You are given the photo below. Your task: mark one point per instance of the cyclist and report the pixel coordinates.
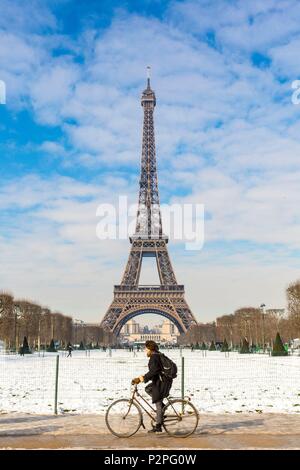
(160, 386)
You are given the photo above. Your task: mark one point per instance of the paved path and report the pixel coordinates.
(229, 431)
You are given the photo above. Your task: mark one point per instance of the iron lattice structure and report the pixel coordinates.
(130, 298)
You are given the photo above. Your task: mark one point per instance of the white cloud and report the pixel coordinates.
(285, 57)
(22, 17)
(245, 26)
(52, 89)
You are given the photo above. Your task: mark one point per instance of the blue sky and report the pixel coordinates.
(226, 131)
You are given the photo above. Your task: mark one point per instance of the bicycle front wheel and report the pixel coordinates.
(123, 418)
(180, 418)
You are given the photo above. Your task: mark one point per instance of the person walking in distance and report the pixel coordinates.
(160, 385)
(70, 349)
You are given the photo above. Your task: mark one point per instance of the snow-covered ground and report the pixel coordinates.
(88, 384)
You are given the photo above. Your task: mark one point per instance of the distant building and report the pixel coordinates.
(167, 332)
(131, 328)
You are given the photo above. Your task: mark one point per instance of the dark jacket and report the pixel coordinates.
(160, 386)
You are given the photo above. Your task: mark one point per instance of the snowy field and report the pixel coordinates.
(88, 384)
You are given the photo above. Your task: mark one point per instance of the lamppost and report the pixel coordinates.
(17, 314)
(262, 307)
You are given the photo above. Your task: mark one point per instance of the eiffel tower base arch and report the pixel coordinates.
(143, 311)
(129, 302)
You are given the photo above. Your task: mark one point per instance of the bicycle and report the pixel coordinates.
(124, 417)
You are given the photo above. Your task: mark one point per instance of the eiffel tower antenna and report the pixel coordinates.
(148, 75)
(131, 298)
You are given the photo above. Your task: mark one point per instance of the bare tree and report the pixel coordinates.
(7, 319)
(293, 299)
(203, 332)
(248, 324)
(45, 327)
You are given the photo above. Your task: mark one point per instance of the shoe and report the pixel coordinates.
(156, 430)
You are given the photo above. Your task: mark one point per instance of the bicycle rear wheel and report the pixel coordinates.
(123, 418)
(180, 418)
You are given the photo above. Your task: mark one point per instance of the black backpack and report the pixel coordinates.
(169, 368)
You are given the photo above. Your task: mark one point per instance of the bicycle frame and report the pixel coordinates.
(135, 400)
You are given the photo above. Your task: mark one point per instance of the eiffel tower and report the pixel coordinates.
(130, 298)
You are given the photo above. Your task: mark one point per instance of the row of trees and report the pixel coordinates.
(257, 325)
(23, 318)
(40, 326)
(91, 335)
(278, 348)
